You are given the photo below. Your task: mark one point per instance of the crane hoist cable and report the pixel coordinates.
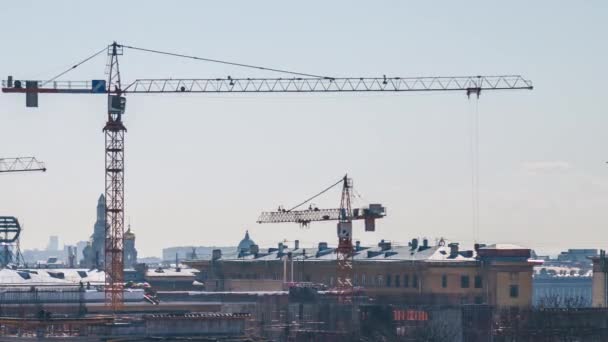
(474, 159)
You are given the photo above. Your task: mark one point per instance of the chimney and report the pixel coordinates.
(280, 248)
(384, 245)
(296, 244)
(216, 254)
(357, 245)
(414, 244)
(453, 249)
(254, 249)
(322, 246)
(425, 243)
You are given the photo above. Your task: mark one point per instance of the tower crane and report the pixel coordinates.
(22, 164)
(345, 216)
(9, 225)
(114, 129)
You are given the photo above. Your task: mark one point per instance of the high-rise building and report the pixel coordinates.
(94, 251)
(53, 243)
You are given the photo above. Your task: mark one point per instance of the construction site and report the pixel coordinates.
(286, 294)
(446, 250)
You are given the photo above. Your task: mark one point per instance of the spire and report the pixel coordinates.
(247, 235)
(101, 200)
(128, 234)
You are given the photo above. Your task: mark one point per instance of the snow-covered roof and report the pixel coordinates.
(385, 253)
(171, 272)
(50, 276)
(503, 246)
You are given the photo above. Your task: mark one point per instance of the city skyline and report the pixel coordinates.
(201, 164)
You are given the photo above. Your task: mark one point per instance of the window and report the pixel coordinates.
(388, 280)
(514, 291)
(363, 279)
(415, 281)
(478, 300)
(356, 279)
(331, 281)
(397, 280)
(444, 280)
(378, 280)
(478, 282)
(464, 281)
(307, 277)
(406, 280)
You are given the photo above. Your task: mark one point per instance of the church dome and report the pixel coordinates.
(245, 244)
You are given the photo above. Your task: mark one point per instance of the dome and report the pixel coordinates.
(245, 244)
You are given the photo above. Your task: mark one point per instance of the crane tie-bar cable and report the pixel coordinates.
(317, 195)
(224, 62)
(76, 65)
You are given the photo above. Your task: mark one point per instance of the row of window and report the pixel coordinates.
(389, 280)
(465, 281)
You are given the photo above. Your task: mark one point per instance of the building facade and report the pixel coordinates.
(441, 274)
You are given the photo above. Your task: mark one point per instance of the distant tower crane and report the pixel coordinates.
(22, 164)
(297, 83)
(10, 230)
(345, 216)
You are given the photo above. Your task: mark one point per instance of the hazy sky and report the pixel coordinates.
(200, 168)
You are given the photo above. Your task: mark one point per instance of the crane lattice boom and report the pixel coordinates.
(470, 84)
(21, 164)
(304, 217)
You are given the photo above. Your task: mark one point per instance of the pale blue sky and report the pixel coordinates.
(200, 168)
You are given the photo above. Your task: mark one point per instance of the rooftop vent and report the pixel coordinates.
(414, 243)
(322, 246)
(453, 249)
(216, 254)
(384, 245)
